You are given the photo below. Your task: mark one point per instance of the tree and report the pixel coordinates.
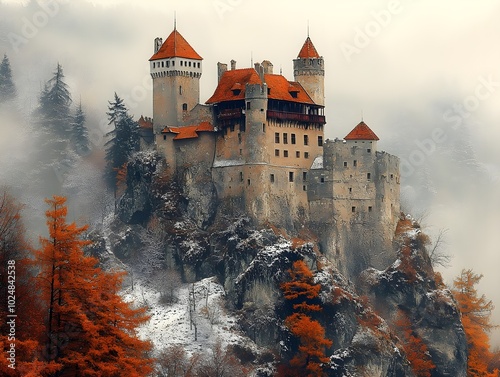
(416, 350)
(124, 138)
(79, 132)
(90, 331)
(476, 312)
(7, 87)
(303, 294)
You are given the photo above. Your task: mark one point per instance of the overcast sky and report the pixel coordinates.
(424, 74)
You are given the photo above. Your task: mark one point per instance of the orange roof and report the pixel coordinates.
(188, 132)
(279, 87)
(176, 46)
(308, 50)
(361, 132)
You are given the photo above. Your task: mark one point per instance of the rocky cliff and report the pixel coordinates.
(358, 312)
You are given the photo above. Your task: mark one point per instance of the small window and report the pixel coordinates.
(350, 190)
(285, 138)
(272, 178)
(181, 63)
(294, 94)
(248, 182)
(239, 138)
(306, 154)
(345, 164)
(355, 163)
(173, 63)
(304, 176)
(268, 91)
(322, 179)
(285, 153)
(198, 64)
(162, 64)
(353, 209)
(292, 136)
(369, 150)
(241, 152)
(164, 137)
(297, 154)
(248, 105)
(263, 127)
(190, 64)
(306, 140)
(184, 107)
(180, 89)
(277, 152)
(276, 137)
(304, 188)
(392, 176)
(368, 176)
(290, 176)
(370, 208)
(168, 64)
(320, 141)
(241, 176)
(154, 64)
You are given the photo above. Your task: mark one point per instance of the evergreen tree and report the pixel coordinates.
(7, 87)
(90, 330)
(79, 132)
(124, 139)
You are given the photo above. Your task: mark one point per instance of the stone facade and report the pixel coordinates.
(258, 143)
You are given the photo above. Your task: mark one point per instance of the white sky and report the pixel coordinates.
(421, 58)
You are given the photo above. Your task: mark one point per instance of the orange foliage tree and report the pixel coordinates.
(416, 350)
(303, 294)
(476, 312)
(90, 331)
(20, 327)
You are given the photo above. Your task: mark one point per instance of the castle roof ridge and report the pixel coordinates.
(308, 50)
(175, 46)
(361, 132)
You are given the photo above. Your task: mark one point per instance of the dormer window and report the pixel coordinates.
(268, 91)
(236, 89)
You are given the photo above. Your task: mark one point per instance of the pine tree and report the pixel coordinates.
(124, 139)
(79, 132)
(303, 294)
(90, 330)
(7, 87)
(476, 312)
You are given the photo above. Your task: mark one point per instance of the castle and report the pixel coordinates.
(259, 142)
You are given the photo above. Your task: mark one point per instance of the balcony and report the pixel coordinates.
(228, 114)
(298, 117)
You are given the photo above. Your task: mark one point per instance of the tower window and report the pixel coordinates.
(162, 64)
(181, 63)
(350, 190)
(180, 89)
(173, 63)
(263, 127)
(198, 65)
(369, 150)
(345, 164)
(190, 64)
(353, 209)
(306, 154)
(355, 163)
(285, 153)
(248, 182)
(272, 178)
(370, 208)
(304, 188)
(239, 138)
(306, 140)
(277, 152)
(368, 176)
(320, 141)
(322, 179)
(168, 64)
(276, 137)
(297, 154)
(285, 138)
(241, 176)
(290, 176)
(293, 138)
(248, 105)
(154, 64)
(184, 107)
(164, 137)
(304, 176)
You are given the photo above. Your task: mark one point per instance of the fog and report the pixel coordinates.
(423, 75)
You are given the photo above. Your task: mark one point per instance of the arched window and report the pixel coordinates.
(184, 107)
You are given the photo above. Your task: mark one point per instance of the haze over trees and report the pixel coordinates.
(7, 87)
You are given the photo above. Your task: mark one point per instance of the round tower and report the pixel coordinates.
(176, 70)
(309, 71)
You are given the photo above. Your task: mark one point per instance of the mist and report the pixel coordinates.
(423, 76)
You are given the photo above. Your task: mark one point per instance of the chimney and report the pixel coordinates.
(158, 43)
(268, 67)
(221, 68)
(233, 65)
(260, 71)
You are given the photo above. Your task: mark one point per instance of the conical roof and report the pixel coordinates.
(175, 46)
(308, 50)
(361, 132)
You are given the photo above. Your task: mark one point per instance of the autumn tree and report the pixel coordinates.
(476, 312)
(301, 292)
(17, 296)
(416, 350)
(90, 331)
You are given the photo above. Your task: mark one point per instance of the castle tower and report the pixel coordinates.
(176, 70)
(308, 70)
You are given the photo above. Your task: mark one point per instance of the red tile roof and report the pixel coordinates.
(308, 50)
(176, 46)
(188, 132)
(279, 87)
(361, 132)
